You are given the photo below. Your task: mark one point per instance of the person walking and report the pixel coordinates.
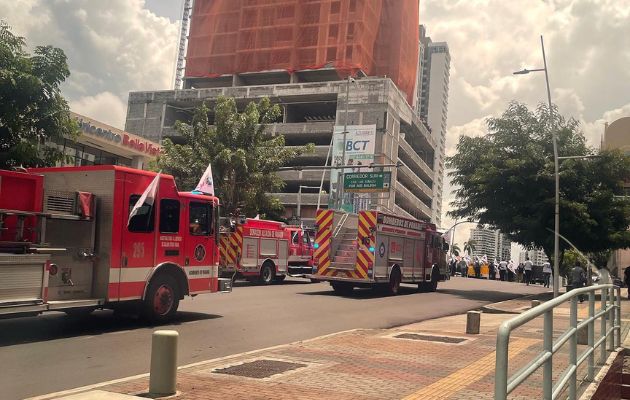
(519, 273)
(527, 268)
(503, 269)
(546, 273)
(626, 279)
(578, 278)
(477, 267)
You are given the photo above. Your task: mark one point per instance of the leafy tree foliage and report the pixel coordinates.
(506, 179)
(244, 157)
(32, 109)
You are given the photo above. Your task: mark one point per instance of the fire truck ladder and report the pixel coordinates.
(345, 246)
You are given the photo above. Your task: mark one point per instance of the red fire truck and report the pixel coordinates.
(67, 243)
(265, 251)
(376, 249)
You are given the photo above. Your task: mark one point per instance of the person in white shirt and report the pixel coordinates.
(546, 273)
(527, 267)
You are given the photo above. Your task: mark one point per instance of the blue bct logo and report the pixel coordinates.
(381, 250)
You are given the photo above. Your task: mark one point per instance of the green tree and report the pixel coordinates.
(244, 158)
(506, 179)
(32, 109)
(455, 249)
(469, 247)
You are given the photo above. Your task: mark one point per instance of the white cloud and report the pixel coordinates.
(113, 47)
(104, 107)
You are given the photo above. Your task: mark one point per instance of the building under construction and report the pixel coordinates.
(299, 53)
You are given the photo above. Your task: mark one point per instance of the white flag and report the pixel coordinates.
(206, 184)
(148, 196)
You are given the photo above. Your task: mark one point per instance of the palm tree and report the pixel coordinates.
(455, 249)
(469, 247)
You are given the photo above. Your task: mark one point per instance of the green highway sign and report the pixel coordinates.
(367, 182)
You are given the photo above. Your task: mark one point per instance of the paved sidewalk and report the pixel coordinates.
(428, 360)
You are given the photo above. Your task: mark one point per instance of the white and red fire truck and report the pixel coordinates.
(376, 249)
(265, 251)
(67, 243)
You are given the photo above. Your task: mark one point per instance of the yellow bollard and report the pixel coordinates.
(163, 377)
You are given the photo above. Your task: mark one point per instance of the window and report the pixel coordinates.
(143, 220)
(169, 216)
(294, 237)
(200, 219)
(306, 238)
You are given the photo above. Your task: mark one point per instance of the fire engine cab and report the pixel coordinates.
(376, 249)
(67, 243)
(265, 251)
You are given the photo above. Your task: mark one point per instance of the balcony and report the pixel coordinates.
(415, 162)
(411, 203)
(411, 180)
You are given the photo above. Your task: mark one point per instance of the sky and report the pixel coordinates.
(118, 46)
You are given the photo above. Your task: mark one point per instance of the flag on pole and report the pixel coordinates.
(206, 184)
(148, 197)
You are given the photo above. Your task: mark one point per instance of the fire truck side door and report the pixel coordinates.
(200, 256)
(419, 260)
(137, 242)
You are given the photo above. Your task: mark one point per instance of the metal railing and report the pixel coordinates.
(610, 311)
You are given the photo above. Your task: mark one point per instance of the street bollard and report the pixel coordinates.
(163, 377)
(535, 303)
(473, 322)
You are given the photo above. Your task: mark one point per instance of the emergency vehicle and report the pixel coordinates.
(378, 250)
(265, 251)
(67, 243)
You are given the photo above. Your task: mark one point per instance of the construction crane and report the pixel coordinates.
(187, 6)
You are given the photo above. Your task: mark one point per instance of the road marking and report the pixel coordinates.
(453, 383)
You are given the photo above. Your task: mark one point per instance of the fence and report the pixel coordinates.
(610, 311)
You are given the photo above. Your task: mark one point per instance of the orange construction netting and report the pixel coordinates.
(379, 37)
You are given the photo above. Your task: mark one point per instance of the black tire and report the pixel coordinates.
(267, 274)
(162, 299)
(393, 288)
(279, 278)
(434, 281)
(342, 288)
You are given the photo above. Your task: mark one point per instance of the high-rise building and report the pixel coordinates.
(491, 243)
(298, 54)
(432, 105)
(536, 256)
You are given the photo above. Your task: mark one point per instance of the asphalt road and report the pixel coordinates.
(52, 352)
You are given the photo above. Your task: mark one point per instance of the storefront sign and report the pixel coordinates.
(137, 144)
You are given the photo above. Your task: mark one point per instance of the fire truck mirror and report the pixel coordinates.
(445, 246)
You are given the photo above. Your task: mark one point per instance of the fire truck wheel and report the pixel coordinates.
(435, 277)
(341, 288)
(267, 273)
(162, 298)
(394, 282)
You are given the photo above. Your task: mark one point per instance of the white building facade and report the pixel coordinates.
(536, 256)
(432, 106)
(491, 243)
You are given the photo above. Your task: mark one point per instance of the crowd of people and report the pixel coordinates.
(504, 270)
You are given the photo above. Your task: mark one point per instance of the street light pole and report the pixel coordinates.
(343, 150)
(554, 135)
(554, 139)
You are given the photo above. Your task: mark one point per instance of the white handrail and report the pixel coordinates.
(610, 310)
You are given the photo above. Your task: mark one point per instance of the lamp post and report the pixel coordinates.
(556, 238)
(343, 150)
